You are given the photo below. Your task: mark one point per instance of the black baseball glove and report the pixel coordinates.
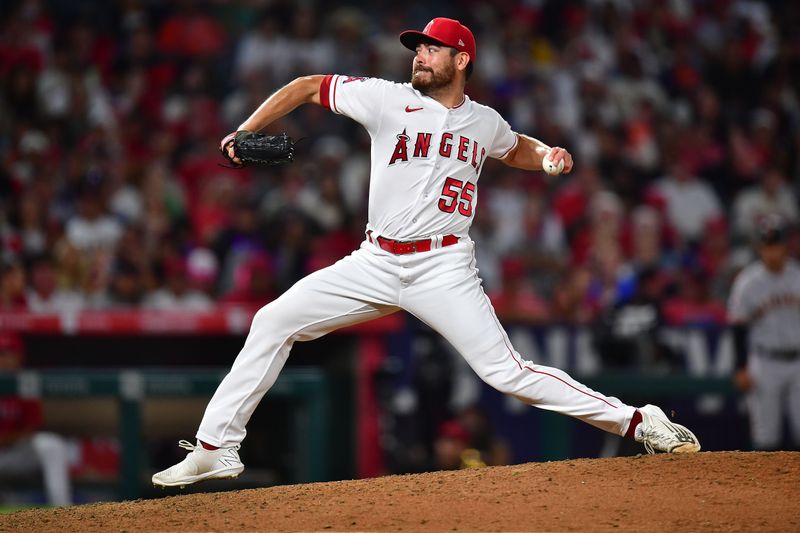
(257, 148)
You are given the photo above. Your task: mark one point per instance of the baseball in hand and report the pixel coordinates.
(552, 168)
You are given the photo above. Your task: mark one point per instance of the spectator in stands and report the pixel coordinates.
(212, 210)
(309, 49)
(716, 258)
(141, 73)
(468, 441)
(328, 248)
(263, 50)
(492, 449)
(753, 146)
(164, 203)
(633, 88)
(25, 449)
(126, 287)
(324, 204)
(347, 166)
(132, 248)
(627, 334)
(31, 161)
(518, 301)
(649, 251)
(53, 91)
(543, 245)
(191, 33)
(570, 301)
(32, 225)
(126, 201)
(44, 294)
(771, 196)
(71, 89)
(506, 205)
(488, 255)
(450, 446)
(19, 92)
(12, 286)
(92, 228)
(641, 144)
(707, 155)
(348, 26)
(96, 280)
(690, 202)
(612, 280)
(177, 293)
(241, 237)
(253, 282)
(203, 269)
(693, 305)
(608, 228)
(390, 63)
(572, 199)
(71, 267)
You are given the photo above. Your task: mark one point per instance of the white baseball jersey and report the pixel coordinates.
(426, 158)
(770, 304)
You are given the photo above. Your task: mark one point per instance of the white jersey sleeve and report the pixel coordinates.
(505, 139)
(359, 98)
(740, 303)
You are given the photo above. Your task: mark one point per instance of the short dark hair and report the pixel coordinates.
(470, 66)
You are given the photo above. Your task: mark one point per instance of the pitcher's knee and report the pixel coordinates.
(520, 383)
(261, 317)
(270, 319)
(506, 384)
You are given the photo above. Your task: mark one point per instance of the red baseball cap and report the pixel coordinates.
(447, 32)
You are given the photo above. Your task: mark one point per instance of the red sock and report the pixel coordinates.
(636, 419)
(210, 447)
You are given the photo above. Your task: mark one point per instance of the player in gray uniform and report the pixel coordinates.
(764, 309)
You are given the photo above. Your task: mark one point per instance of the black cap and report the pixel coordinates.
(772, 229)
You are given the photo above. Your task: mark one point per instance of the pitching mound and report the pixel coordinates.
(707, 491)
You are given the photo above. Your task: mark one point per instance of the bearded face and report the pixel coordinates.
(430, 78)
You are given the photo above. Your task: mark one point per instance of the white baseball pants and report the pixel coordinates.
(440, 287)
(774, 397)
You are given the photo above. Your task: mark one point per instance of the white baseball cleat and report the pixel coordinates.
(657, 433)
(200, 465)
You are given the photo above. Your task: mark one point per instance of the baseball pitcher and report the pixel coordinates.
(764, 309)
(429, 145)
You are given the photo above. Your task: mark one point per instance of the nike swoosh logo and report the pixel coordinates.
(410, 109)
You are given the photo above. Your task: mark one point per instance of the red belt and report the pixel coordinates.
(409, 247)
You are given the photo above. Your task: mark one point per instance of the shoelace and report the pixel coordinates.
(648, 447)
(648, 436)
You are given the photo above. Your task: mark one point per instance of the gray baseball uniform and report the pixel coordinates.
(769, 303)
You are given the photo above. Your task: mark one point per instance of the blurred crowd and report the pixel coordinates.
(683, 118)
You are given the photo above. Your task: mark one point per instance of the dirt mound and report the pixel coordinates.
(707, 491)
